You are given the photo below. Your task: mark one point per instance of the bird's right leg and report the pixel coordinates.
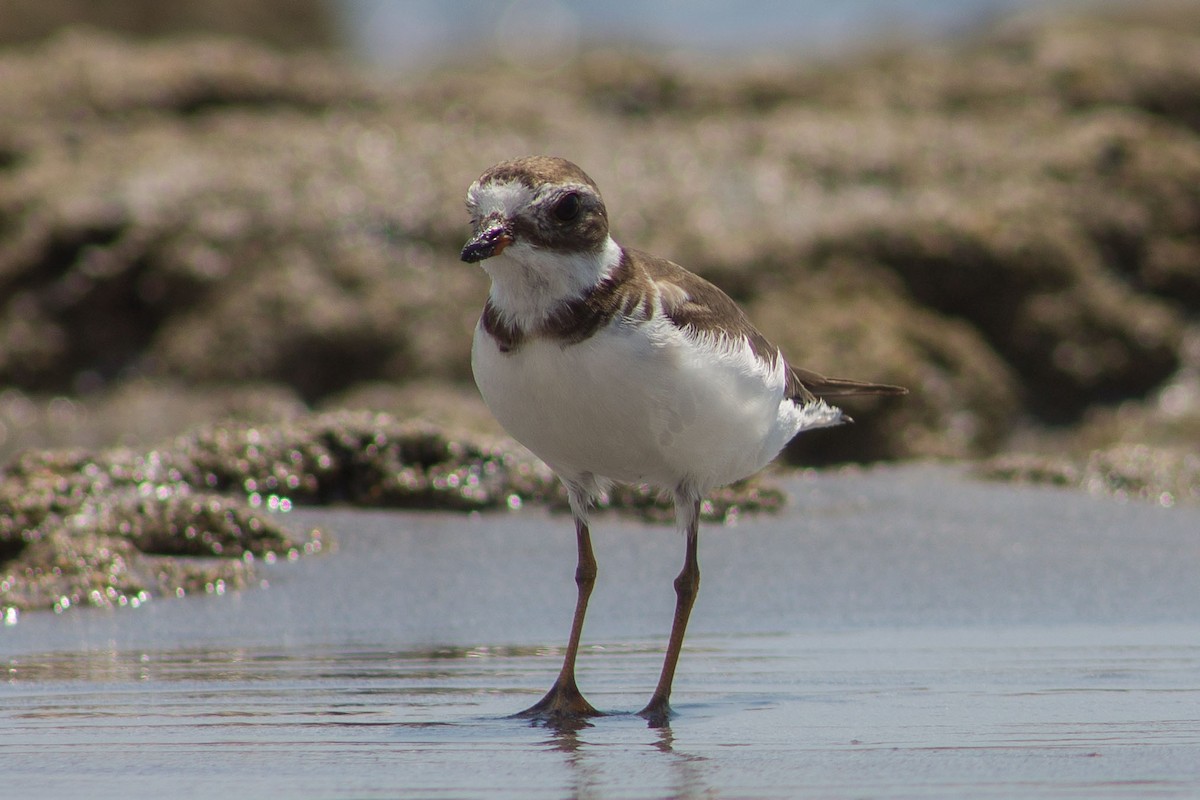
(564, 699)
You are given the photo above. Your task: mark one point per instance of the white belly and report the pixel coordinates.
(642, 404)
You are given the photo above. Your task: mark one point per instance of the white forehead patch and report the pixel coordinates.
(505, 198)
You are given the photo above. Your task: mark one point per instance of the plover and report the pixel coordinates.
(611, 364)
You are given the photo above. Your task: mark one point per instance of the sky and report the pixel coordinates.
(408, 33)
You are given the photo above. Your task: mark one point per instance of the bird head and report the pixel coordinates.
(535, 205)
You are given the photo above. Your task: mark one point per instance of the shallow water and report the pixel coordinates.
(898, 633)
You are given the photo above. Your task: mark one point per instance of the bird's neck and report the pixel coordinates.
(529, 284)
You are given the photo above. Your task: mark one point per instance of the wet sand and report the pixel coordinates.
(896, 633)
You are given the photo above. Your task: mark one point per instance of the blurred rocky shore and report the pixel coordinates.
(223, 246)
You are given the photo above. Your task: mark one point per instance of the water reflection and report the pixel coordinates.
(564, 732)
(588, 755)
(688, 769)
(242, 663)
(585, 776)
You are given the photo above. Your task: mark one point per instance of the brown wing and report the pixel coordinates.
(692, 302)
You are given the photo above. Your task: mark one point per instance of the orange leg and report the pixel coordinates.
(687, 585)
(564, 699)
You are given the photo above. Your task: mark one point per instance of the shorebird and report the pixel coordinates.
(611, 364)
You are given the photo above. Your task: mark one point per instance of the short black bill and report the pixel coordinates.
(487, 243)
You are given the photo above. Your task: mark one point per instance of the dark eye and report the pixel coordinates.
(568, 207)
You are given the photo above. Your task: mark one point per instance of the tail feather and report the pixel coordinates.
(805, 386)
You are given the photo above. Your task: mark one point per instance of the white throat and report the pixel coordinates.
(529, 283)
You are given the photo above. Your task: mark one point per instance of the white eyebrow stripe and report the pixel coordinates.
(498, 197)
(506, 198)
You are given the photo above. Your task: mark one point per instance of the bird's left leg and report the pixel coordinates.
(687, 585)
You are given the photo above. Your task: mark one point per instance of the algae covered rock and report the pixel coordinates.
(1007, 223)
(1162, 475)
(118, 526)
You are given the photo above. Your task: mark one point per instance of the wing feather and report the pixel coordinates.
(693, 303)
